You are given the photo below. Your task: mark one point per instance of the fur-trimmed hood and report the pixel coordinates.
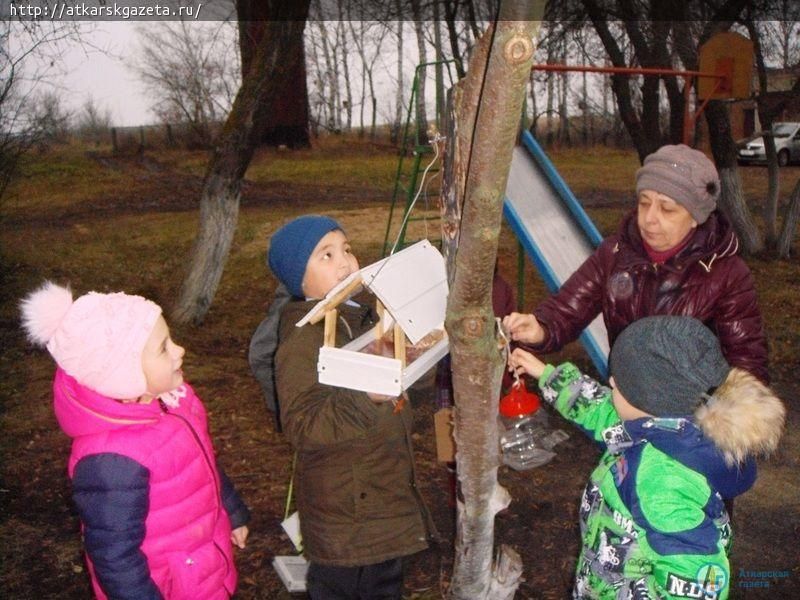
(743, 417)
(742, 420)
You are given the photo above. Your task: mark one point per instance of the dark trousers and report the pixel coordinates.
(382, 581)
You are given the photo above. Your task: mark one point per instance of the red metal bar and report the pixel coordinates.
(689, 119)
(703, 105)
(626, 70)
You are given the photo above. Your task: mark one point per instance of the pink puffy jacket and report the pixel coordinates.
(184, 542)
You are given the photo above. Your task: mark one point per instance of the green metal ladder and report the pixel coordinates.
(407, 180)
(405, 184)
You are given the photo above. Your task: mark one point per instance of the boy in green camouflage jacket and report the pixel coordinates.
(680, 429)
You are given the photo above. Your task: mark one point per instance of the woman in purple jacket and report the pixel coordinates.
(674, 255)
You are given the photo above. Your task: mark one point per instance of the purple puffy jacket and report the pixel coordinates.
(153, 505)
(706, 280)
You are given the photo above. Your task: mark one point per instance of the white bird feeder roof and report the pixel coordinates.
(411, 287)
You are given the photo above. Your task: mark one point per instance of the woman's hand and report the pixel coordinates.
(239, 536)
(520, 361)
(524, 328)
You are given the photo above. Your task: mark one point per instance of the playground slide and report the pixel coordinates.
(553, 228)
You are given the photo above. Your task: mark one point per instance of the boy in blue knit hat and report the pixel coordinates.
(290, 250)
(360, 511)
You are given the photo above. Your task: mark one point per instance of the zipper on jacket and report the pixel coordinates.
(220, 505)
(196, 437)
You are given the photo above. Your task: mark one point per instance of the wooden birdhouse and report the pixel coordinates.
(410, 289)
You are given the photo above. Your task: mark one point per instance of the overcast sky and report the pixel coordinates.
(105, 76)
(101, 70)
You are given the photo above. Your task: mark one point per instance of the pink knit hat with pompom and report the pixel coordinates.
(98, 339)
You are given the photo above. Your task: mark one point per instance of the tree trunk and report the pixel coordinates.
(332, 84)
(723, 147)
(534, 105)
(320, 117)
(564, 136)
(472, 19)
(766, 117)
(675, 96)
(648, 48)
(786, 26)
(454, 162)
(335, 79)
(346, 67)
(770, 212)
(477, 364)
(620, 83)
(551, 77)
(450, 18)
(585, 90)
(374, 98)
(650, 111)
(731, 199)
(790, 220)
(285, 119)
(439, 69)
(359, 41)
(608, 115)
(366, 72)
(422, 115)
(398, 119)
(274, 59)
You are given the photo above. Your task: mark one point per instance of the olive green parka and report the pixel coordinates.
(354, 479)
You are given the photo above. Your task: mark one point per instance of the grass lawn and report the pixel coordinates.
(104, 222)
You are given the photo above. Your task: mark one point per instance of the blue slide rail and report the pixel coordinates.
(561, 187)
(535, 252)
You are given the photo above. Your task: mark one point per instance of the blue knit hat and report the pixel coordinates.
(291, 247)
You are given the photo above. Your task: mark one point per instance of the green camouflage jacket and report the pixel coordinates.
(653, 522)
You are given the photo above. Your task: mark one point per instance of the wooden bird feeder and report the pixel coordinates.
(410, 288)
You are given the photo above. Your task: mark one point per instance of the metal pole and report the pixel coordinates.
(625, 70)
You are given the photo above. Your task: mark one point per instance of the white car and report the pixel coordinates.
(787, 145)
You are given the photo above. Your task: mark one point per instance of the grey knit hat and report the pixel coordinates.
(663, 365)
(685, 175)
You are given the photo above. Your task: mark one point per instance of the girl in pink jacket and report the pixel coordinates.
(159, 516)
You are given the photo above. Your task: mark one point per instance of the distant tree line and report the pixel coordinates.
(354, 64)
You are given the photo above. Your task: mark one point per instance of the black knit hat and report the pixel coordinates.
(663, 365)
